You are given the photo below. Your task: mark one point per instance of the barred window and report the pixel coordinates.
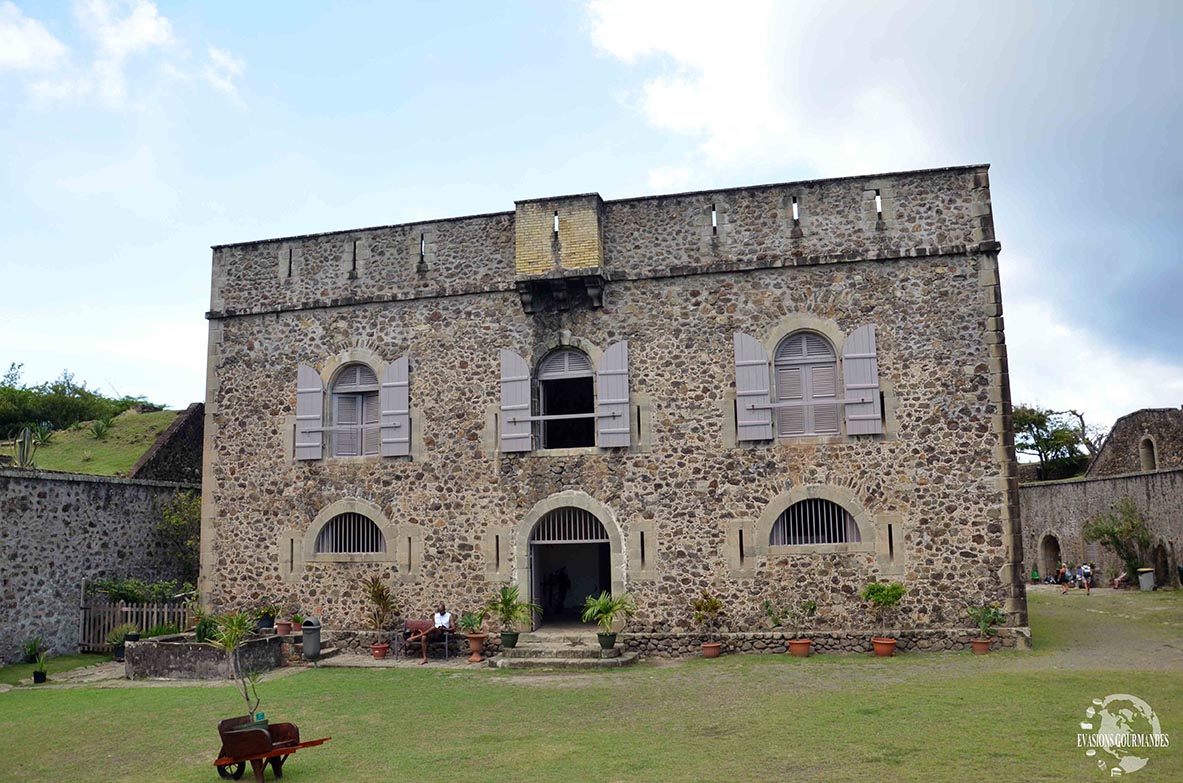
(350, 534)
(814, 521)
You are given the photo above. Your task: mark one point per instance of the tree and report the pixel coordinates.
(1045, 434)
(180, 531)
(1122, 531)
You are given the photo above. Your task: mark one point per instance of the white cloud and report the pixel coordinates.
(221, 70)
(25, 44)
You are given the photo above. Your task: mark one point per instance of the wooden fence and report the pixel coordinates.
(98, 618)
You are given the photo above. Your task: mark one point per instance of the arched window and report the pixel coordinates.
(1147, 455)
(355, 412)
(565, 386)
(814, 521)
(806, 385)
(350, 534)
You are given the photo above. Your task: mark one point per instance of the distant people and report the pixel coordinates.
(1062, 578)
(1086, 572)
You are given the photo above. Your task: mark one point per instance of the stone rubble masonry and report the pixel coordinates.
(937, 492)
(1121, 453)
(59, 529)
(1062, 508)
(175, 455)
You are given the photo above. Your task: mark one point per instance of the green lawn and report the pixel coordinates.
(9, 675)
(78, 451)
(951, 717)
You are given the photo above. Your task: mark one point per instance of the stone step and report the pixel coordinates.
(558, 651)
(325, 652)
(570, 664)
(557, 640)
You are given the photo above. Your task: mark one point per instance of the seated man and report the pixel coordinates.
(423, 630)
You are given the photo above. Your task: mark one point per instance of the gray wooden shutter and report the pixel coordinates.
(515, 402)
(346, 425)
(824, 386)
(860, 372)
(612, 402)
(790, 388)
(370, 421)
(396, 409)
(310, 394)
(751, 388)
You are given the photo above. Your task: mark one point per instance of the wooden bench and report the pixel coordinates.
(258, 745)
(415, 626)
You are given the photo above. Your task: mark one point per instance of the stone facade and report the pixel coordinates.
(1140, 442)
(175, 455)
(686, 507)
(59, 529)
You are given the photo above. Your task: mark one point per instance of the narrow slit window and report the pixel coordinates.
(796, 211)
(741, 556)
(353, 258)
(291, 554)
(891, 543)
(422, 247)
(497, 553)
(878, 204)
(289, 262)
(556, 226)
(642, 549)
(714, 220)
(408, 553)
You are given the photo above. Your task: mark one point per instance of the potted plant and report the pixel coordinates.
(604, 611)
(266, 614)
(118, 636)
(883, 598)
(513, 612)
(381, 607)
(39, 672)
(799, 617)
(284, 627)
(470, 624)
(32, 648)
(233, 631)
(707, 609)
(986, 616)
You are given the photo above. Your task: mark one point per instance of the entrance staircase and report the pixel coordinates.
(570, 650)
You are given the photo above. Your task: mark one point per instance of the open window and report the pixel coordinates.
(566, 400)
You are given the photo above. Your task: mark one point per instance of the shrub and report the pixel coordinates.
(32, 648)
(207, 628)
(99, 430)
(162, 629)
(1122, 531)
(119, 633)
(137, 591)
(986, 617)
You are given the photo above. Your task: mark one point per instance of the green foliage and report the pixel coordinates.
(40, 663)
(508, 607)
(1122, 531)
(207, 627)
(382, 605)
(180, 531)
(32, 648)
(24, 448)
(137, 591)
(605, 608)
(986, 617)
(884, 597)
(60, 404)
(267, 608)
(471, 622)
(1053, 438)
(120, 632)
(162, 629)
(708, 611)
(297, 619)
(99, 429)
(42, 433)
(799, 617)
(234, 630)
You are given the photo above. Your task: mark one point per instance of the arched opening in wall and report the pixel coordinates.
(1162, 565)
(814, 521)
(565, 388)
(1147, 456)
(1049, 556)
(350, 534)
(570, 558)
(354, 411)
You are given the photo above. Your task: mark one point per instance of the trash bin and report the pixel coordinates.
(1146, 578)
(311, 629)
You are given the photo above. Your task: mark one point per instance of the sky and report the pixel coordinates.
(135, 135)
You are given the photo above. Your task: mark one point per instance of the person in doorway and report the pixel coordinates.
(1086, 572)
(423, 631)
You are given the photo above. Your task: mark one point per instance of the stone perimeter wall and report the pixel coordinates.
(58, 529)
(943, 476)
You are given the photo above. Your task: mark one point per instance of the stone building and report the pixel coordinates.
(1141, 459)
(776, 392)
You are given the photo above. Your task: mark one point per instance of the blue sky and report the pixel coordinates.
(135, 135)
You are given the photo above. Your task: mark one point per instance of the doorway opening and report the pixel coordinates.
(570, 559)
(1049, 556)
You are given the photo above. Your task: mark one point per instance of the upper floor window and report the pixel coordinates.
(814, 521)
(1147, 456)
(806, 383)
(350, 534)
(567, 402)
(355, 412)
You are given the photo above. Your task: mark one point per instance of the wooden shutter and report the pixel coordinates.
(824, 385)
(612, 401)
(515, 401)
(370, 420)
(751, 388)
(790, 388)
(396, 409)
(860, 370)
(346, 425)
(310, 394)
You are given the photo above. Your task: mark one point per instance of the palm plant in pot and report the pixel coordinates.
(234, 630)
(986, 617)
(513, 613)
(470, 624)
(39, 671)
(883, 597)
(707, 610)
(381, 608)
(799, 617)
(118, 635)
(605, 610)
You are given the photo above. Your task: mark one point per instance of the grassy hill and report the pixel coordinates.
(76, 450)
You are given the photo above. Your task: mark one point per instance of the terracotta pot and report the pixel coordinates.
(884, 647)
(712, 649)
(476, 644)
(800, 647)
(379, 650)
(981, 646)
(283, 627)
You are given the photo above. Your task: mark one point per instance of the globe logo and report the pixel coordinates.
(1120, 732)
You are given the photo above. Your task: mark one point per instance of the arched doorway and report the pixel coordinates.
(1049, 556)
(570, 559)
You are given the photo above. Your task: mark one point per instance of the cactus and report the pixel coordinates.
(23, 449)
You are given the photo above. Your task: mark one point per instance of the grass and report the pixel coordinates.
(78, 451)
(835, 718)
(10, 675)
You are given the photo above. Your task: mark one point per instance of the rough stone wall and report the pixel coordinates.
(1120, 454)
(925, 274)
(176, 453)
(57, 529)
(1062, 508)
